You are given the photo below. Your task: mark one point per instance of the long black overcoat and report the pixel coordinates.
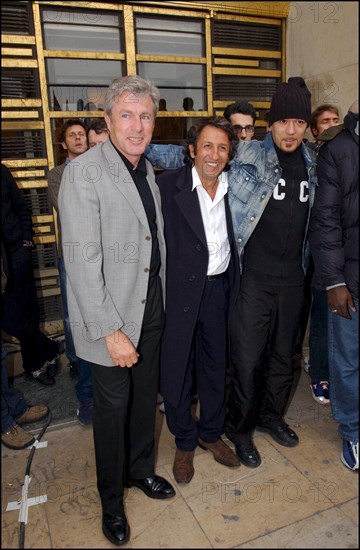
(187, 263)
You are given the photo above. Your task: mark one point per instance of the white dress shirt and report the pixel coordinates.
(214, 221)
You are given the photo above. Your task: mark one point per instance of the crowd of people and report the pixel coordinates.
(171, 282)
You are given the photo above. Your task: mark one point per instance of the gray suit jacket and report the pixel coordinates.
(106, 249)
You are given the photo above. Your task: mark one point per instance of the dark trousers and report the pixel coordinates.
(263, 334)
(209, 359)
(20, 317)
(318, 337)
(124, 410)
(305, 313)
(84, 385)
(69, 341)
(12, 402)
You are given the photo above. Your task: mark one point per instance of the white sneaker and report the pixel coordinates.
(162, 407)
(350, 454)
(320, 391)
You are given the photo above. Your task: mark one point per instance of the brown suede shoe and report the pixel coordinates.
(183, 466)
(33, 414)
(222, 453)
(17, 438)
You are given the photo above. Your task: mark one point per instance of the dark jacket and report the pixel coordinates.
(334, 225)
(16, 227)
(187, 263)
(16, 223)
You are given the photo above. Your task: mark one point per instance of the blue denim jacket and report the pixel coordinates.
(253, 174)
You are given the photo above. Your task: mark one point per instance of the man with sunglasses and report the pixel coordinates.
(242, 117)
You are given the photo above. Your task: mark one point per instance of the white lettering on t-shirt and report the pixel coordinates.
(304, 188)
(303, 193)
(279, 196)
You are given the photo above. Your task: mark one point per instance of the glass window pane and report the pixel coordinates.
(76, 98)
(72, 80)
(82, 71)
(91, 17)
(78, 38)
(177, 81)
(170, 24)
(175, 98)
(180, 75)
(173, 36)
(82, 31)
(167, 43)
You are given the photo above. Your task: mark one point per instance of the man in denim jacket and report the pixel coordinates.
(271, 191)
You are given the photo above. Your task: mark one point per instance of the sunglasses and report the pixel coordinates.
(248, 129)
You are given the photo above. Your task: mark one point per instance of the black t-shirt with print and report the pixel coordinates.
(275, 247)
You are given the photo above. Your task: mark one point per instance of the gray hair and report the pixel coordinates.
(133, 84)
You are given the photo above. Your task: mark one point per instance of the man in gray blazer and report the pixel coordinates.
(114, 253)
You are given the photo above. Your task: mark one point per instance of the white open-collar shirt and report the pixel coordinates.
(214, 221)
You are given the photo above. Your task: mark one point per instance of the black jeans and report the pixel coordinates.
(263, 334)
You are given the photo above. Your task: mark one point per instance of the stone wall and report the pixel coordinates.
(322, 47)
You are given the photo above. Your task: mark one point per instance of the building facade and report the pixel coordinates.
(58, 58)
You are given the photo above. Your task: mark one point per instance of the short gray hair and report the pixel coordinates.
(133, 84)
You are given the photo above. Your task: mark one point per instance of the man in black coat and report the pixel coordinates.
(202, 283)
(20, 315)
(334, 241)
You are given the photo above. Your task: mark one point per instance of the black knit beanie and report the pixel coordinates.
(291, 100)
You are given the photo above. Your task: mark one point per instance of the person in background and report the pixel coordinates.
(114, 253)
(188, 105)
(19, 301)
(242, 116)
(323, 117)
(202, 282)
(334, 241)
(73, 139)
(15, 412)
(97, 132)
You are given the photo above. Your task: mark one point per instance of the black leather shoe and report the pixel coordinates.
(115, 528)
(52, 367)
(40, 376)
(248, 455)
(153, 487)
(282, 434)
